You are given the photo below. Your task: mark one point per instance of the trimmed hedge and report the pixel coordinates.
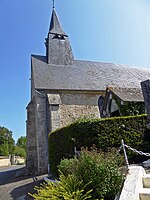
(103, 133)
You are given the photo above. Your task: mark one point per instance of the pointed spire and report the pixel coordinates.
(58, 49)
(55, 26)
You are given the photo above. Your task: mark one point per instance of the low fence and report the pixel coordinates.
(132, 149)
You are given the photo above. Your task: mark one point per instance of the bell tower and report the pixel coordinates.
(58, 48)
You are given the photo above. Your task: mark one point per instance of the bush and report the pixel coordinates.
(69, 188)
(103, 133)
(68, 166)
(100, 168)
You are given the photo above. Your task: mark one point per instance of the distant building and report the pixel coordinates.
(64, 89)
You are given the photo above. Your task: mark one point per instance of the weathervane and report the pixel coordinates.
(53, 4)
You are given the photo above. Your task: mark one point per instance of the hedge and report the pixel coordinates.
(103, 133)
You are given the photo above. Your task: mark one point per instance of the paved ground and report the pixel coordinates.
(14, 187)
(7, 172)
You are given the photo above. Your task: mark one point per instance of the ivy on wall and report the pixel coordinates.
(130, 108)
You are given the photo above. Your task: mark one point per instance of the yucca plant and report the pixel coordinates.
(68, 188)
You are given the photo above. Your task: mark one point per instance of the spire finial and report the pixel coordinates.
(53, 4)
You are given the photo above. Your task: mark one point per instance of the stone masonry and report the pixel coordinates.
(67, 107)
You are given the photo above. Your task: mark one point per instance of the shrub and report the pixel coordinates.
(100, 168)
(103, 133)
(68, 166)
(69, 188)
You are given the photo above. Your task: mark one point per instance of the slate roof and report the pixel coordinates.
(85, 75)
(128, 94)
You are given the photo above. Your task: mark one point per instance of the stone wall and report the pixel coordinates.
(46, 113)
(4, 161)
(7, 160)
(76, 106)
(68, 107)
(41, 132)
(31, 138)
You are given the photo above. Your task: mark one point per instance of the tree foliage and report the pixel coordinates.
(7, 142)
(20, 152)
(21, 142)
(20, 148)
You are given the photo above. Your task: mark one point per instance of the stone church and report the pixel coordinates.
(64, 89)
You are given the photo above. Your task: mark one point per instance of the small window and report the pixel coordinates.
(55, 107)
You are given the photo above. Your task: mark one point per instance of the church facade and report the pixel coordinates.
(64, 89)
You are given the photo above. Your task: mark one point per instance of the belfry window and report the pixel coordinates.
(59, 36)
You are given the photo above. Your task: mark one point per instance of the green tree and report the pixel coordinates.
(21, 142)
(7, 142)
(20, 152)
(20, 148)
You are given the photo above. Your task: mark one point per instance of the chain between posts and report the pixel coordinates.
(132, 149)
(136, 151)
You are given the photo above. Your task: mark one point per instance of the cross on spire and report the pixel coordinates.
(53, 4)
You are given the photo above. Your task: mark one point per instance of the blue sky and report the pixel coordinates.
(115, 31)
